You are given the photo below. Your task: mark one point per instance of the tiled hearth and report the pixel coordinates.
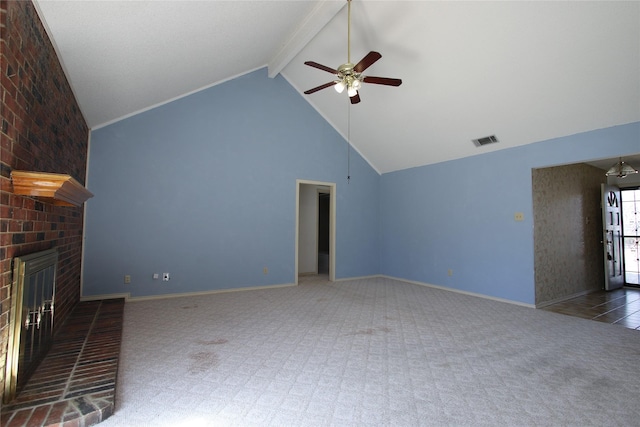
(75, 383)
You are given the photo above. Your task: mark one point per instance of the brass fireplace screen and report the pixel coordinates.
(31, 318)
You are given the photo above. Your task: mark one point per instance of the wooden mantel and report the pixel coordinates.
(59, 189)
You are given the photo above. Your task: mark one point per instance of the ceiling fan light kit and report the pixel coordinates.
(621, 170)
(350, 76)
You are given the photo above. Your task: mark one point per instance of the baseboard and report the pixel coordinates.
(129, 298)
(346, 279)
(565, 298)
(126, 296)
(459, 291)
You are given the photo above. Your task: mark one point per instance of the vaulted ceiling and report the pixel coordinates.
(524, 71)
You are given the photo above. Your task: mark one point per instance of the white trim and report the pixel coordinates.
(373, 276)
(213, 291)
(296, 233)
(473, 294)
(565, 298)
(84, 214)
(332, 225)
(315, 249)
(184, 95)
(127, 296)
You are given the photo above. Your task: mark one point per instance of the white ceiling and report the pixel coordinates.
(523, 70)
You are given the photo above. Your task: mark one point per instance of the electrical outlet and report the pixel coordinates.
(518, 216)
(156, 276)
(165, 277)
(127, 279)
(265, 270)
(450, 272)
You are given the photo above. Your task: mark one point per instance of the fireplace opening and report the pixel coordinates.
(32, 317)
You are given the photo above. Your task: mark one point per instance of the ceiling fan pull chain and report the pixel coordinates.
(348, 141)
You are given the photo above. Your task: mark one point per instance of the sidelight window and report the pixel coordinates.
(631, 234)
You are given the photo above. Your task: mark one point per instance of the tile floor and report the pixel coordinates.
(621, 307)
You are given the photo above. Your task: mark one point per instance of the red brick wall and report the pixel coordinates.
(43, 130)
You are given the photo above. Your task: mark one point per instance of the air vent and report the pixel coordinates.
(484, 141)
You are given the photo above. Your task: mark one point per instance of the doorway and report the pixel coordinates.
(315, 230)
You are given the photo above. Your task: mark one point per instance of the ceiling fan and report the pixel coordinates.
(350, 76)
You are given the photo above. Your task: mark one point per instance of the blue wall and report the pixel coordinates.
(204, 188)
(459, 215)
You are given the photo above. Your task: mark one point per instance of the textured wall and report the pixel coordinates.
(567, 231)
(42, 130)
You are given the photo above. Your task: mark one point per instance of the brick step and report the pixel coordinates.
(75, 384)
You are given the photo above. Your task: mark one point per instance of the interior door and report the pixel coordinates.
(324, 225)
(612, 238)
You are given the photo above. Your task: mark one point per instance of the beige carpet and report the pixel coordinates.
(369, 353)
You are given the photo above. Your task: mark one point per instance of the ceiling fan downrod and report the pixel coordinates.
(348, 75)
(349, 31)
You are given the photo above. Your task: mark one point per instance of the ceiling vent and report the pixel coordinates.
(484, 141)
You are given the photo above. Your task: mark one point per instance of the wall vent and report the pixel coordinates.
(484, 141)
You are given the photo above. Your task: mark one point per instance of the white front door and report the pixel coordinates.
(612, 238)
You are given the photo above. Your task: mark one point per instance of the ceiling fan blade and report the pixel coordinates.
(355, 98)
(321, 67)
(315, 89)
(382, 81)
(367, 61)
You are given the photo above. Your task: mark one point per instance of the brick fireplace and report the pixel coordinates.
(75, 384)
(41, 129)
